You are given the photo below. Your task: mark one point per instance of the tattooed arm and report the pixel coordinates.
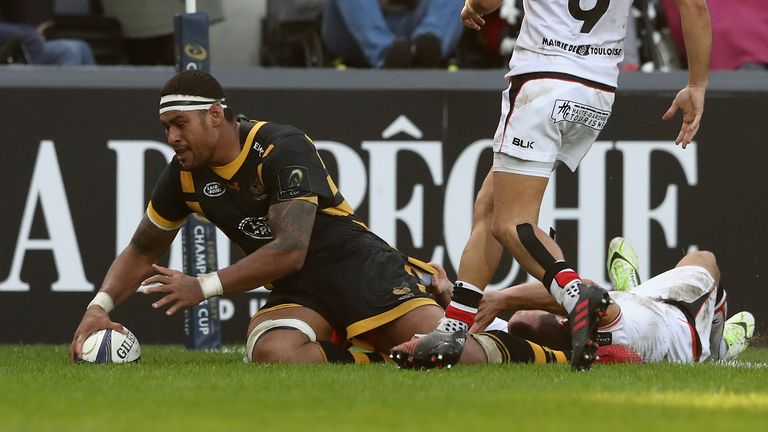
(291, 223)
(134, 264)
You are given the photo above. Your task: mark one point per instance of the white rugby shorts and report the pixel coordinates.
(659, 331)
(545, 120)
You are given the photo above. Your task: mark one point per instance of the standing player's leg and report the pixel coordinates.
(482, 253)
(479, 261)
(517, 200)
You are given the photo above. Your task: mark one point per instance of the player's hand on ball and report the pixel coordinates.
(95, 319)
(179, 290)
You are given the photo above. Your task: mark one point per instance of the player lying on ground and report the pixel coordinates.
(677, 316)
(265, 186)
(645, 324)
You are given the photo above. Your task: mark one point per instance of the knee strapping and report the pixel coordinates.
(268, 325)
(533, 245)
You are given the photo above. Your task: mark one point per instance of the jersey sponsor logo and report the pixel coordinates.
(214, 189)
(258, 148)
(582, 50)
(523, 144)
(294, 183)
(256, 228)
(575, 112)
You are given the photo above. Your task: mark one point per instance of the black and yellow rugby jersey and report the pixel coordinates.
(277, 163)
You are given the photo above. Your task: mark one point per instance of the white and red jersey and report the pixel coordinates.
(652, 322)
(584, 38)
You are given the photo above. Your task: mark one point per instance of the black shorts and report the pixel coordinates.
(356, 287)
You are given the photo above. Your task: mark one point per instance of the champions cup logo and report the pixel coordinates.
(293, 182)
(195, 51)
(295, 178)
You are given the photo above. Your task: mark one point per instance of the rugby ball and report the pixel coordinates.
(109, 346)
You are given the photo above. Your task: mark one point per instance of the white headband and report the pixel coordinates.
(177, 102)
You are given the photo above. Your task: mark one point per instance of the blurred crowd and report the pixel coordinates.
(354, 33)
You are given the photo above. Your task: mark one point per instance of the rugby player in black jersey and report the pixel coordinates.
(265, 186)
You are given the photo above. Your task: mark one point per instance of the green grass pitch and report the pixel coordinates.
(175, 390)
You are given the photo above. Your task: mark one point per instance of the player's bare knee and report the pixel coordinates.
(279, 346)
(504, 230)
(268, 349)
(705, 259)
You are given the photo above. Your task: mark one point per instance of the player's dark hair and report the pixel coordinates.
(195, 82)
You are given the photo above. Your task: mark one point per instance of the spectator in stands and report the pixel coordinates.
(40, 51)
(148, 26)
(739, 33)
(392, 33)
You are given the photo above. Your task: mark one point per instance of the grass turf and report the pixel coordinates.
(175, 390)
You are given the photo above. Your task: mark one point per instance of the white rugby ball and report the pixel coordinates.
(109, 346)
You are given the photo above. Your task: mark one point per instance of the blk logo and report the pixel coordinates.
(522, 143)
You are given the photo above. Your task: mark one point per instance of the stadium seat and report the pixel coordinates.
(291, 34)
(103, 34)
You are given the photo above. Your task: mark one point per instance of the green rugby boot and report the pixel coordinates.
(738, 331)
(622, 265)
